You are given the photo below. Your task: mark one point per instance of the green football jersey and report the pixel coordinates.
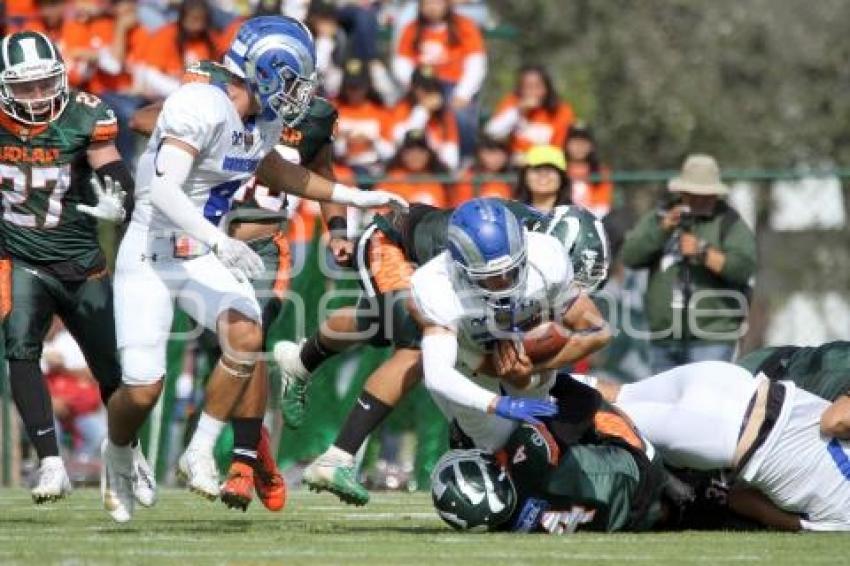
(300, 144)
(589, 486)
(823, 370)
(427, 231)
(44, 175)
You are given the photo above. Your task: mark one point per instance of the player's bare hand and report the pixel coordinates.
(511, 363)
(110, 200)
(342, 250)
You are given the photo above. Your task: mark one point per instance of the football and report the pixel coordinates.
(544, 341)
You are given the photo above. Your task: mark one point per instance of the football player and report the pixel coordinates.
(259, 218)
(589, 469)
(52, 140)
(208, 141)
(385, 256)
(786, 447)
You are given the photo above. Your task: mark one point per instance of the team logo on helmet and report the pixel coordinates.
(276, 57)
(33, 81)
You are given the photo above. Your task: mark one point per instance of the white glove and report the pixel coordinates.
(110, 200)
(367, 199)
(239, 258)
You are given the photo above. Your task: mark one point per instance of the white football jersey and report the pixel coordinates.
(548, 287)
(229, 151)
(802, 470)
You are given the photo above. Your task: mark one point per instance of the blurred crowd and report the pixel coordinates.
(406, 76)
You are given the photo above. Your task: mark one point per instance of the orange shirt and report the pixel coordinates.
(20, 8)
(228, 34)
(597, 197)
(83, 36)
(425, 193)
(435, 49)
(137, 44)
(361, 127)
(466, 189)
(163, 54)
(537, 126)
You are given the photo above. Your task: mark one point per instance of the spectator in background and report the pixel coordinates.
(491, 158)
(596, 195)
(16, 14)
(330, 45)
(425, 108)
(47, 18)
(453, 46)
(415, 157)
(543, 182)
(174, 47)
(531, 115)
(117, 60)
(363, 135)
(701, 257)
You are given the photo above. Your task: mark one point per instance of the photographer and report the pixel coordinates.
(701, 258)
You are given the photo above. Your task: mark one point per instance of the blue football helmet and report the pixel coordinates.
(488, 247)
(276, 57)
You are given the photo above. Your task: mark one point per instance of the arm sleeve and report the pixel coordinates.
(739, 246)
(474, 70)
(171, 169)
(439, 354)
(644, 243)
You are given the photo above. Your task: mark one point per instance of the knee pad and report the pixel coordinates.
(142, 365)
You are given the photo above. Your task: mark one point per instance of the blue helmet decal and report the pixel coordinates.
(276, 57)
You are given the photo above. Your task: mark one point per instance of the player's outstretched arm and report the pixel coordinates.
(172, 165)
(282, 176)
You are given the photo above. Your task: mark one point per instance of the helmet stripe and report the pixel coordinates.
(6, 60)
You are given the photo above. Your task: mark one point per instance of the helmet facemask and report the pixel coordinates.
(292, 102)
(34, 94)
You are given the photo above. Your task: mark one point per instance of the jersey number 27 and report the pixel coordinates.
(54, 181)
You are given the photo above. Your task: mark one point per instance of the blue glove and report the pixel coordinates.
(526, 410)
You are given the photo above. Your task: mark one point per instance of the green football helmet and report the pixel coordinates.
(585, 241)
(33, 80)
(471, 490)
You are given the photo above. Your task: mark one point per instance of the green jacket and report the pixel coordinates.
(648, 246)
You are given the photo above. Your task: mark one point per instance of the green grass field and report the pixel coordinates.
(316, 530)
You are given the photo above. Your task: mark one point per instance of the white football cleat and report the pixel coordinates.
(52, 483)
(288, 356)
(144, 481)
(197, 468)
(116, 481)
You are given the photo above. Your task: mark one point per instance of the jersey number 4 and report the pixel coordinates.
(37, 183)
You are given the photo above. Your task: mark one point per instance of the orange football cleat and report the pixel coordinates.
(238, 489)
(268, 481)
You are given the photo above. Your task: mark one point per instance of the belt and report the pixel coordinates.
(759, 419)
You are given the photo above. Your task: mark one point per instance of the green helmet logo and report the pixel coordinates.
(585, 241)
(33, 81)
(471, 490)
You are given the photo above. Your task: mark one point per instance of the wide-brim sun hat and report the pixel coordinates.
(700, 175)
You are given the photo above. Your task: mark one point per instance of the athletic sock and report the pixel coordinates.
(29, 390)
(246, 438)
(313, 354)
(368, 412)
(206, 434)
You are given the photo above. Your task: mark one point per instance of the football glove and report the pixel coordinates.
(523, 409)
(343, 194)
(239, 258)
(110, 200)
